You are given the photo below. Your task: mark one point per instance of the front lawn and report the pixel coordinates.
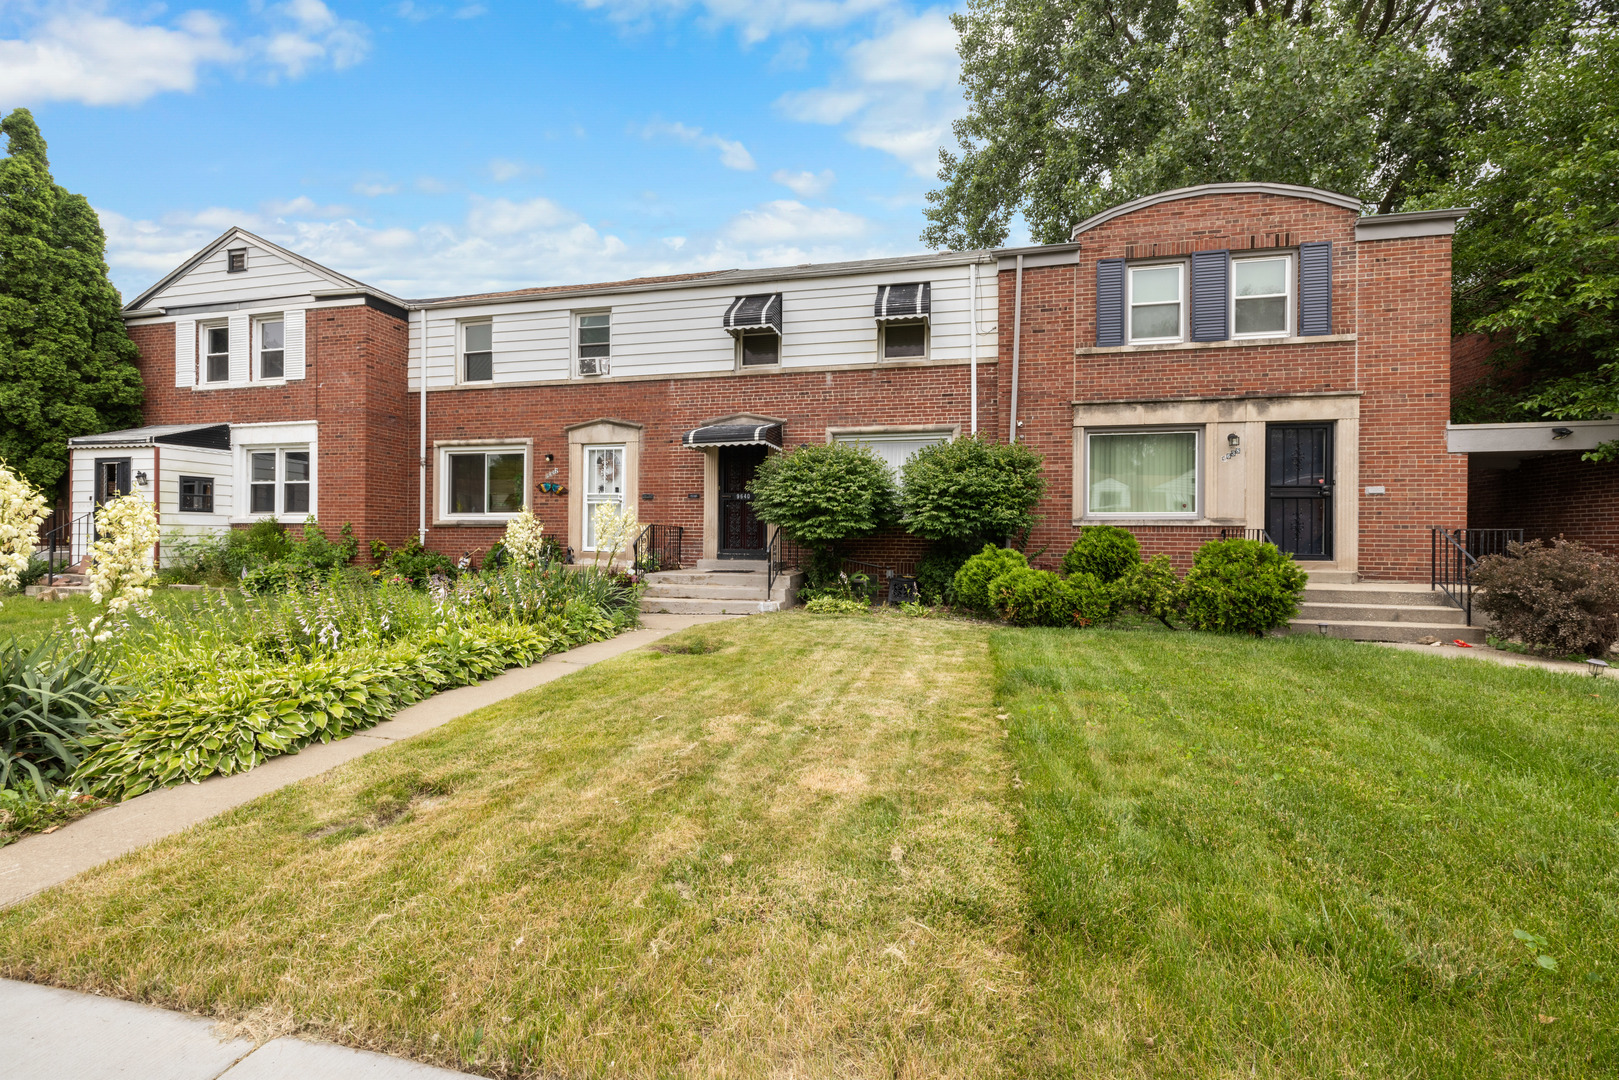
(30, 620)
(803, 846)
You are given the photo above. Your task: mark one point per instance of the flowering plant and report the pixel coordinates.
(121, 557)
(523, 539)
(615, 530)
(21, 511)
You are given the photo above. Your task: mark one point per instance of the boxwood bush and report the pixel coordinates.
(971, 491)
(1106, 551)
(973, 579)
(1242, 586)
(1560, 599)
(1024, 596)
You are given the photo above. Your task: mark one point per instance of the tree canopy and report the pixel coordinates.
(1079, 105)
(67, 367)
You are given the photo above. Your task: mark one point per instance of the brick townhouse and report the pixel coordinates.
(1217, 358)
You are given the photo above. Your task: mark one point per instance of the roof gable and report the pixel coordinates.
(271, 272)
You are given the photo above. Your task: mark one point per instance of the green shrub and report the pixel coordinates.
(1027, 597)
(51, 706)
(936, 573)
(266, 541)
(410, 562)
(1560, 599)
(1242, 586)
(1153, 589)
(837, 605)
(973, 579)
(1106, 551)
(971, 491)
(820, 494)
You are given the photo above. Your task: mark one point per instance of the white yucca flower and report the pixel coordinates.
(121, 557)
(21, 511)
(523, 535)
(615, 530)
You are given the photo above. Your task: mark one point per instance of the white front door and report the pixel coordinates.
(604, 483)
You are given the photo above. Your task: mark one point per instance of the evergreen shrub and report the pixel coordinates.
(1242, 586)
(1106, 551)
(973, 579)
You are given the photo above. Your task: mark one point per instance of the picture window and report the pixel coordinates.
(1142, 473)
(486, 482)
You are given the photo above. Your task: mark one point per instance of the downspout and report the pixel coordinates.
(1017, 344)
(421, 476)
(972, 339)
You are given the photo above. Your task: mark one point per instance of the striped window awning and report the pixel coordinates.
(762, 312)
(912, 301)
(734, 435)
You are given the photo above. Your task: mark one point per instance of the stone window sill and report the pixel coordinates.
(1229, 343)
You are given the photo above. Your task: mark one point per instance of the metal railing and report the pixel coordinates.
(1453, 553)
(657, 548)
(65, 540)
(1234, 533)
(781, 556)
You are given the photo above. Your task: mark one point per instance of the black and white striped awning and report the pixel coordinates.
(734, 435)
(912, 301)
(762, 312)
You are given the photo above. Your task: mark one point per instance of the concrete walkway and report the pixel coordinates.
(37, 862)
(1502, 656)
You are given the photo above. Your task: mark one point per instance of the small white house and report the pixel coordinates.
(188, 470)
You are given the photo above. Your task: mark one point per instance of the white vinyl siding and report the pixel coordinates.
(177, 461)
(268, 276)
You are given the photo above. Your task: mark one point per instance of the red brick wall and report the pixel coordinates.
(1553, 495)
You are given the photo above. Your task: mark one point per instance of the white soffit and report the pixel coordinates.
(1538, 437)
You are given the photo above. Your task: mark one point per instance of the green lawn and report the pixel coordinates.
(28, 620)
(857, 847)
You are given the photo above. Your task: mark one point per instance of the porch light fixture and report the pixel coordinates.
(1597, 667)
(1233, 440)
(1561, 433)
(140, 478)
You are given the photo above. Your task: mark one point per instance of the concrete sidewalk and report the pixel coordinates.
(71, 1036)
(1502, 656)
(37, 862)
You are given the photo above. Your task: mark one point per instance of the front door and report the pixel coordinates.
(1298, 483)
(742, 535)
(112, 479)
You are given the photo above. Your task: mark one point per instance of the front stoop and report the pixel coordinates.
(718, 587)
(1381, 611)
(66, 585)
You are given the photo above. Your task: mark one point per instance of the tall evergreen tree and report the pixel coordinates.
(67, 367)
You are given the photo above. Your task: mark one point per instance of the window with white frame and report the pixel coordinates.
(1156, 299)
(477, 351)
(895, 448)
(593, 333)
(278, 481)
(905, 340)
(1142, 473)
(1261, 296)
(485, 482)
(270, 346)
(760, 348)
(215, 352)
(604, 485)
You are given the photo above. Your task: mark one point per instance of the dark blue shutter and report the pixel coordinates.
(1211, 294)
(1315, 288)
(1110, 302)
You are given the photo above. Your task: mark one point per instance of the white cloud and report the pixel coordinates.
(897, 92)
(100, 60)
(311, 34)
(503, 170)
(431, 185)
(374, 188)
(804, 183)
(304, 206)
(733, 155)
(470, 11)
(755, 20)
(411, 11)
(783, 221)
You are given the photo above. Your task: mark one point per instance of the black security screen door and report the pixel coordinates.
(112, 479)
(1298, 482)
(741, 533)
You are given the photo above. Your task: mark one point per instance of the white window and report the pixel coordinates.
(760, 348)
(1156, 303)
(895, 448)
(905, 340)
(270, 346)
(1142, 473)
(477, 351)
(279, 481)
(1261, 292)
(484, 482)
(594, 341)
(604, 485)
(215, 352)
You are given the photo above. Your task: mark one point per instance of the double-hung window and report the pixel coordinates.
(216, 353)
(477, 351)
(905, 340)
(278, 481)
(1261, 296)
(760, 348)
(271, 344)
(196, 494)
(604, 485)
(1142, 473)
(1156, 302)
(485, 482)
(594, 332)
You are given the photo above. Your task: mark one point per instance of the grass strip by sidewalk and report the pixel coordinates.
(1308, 858)
(783, 851)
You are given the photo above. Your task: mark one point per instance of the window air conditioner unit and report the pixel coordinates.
(593, 365)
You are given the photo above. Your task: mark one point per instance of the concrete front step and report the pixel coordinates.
(686, 590)
(651, 605)
(1391, 631)
(1381, 593)
(1379, 613)
(56, 592)
(1331, 577)
(734, 565)
(743, 579)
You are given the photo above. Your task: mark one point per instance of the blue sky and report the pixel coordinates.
(442, 146)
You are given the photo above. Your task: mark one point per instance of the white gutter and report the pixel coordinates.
(972, 339)
(1017, 344)
(421, 476)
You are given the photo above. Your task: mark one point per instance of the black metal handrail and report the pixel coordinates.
(1453, 553)
(76, 534)
(658, 547)
(1234, 533)
(782, 555)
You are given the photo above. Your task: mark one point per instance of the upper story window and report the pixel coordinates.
(905, 340)
(216, 353)
(235, 260)
(477, 351)
(271, 346)
(1261, 295)
(1156, 303)
(594, 334)
(760, 348)
(278, 481)
(902, 313)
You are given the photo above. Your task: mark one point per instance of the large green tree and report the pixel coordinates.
(1078, 105)
(67, 367)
